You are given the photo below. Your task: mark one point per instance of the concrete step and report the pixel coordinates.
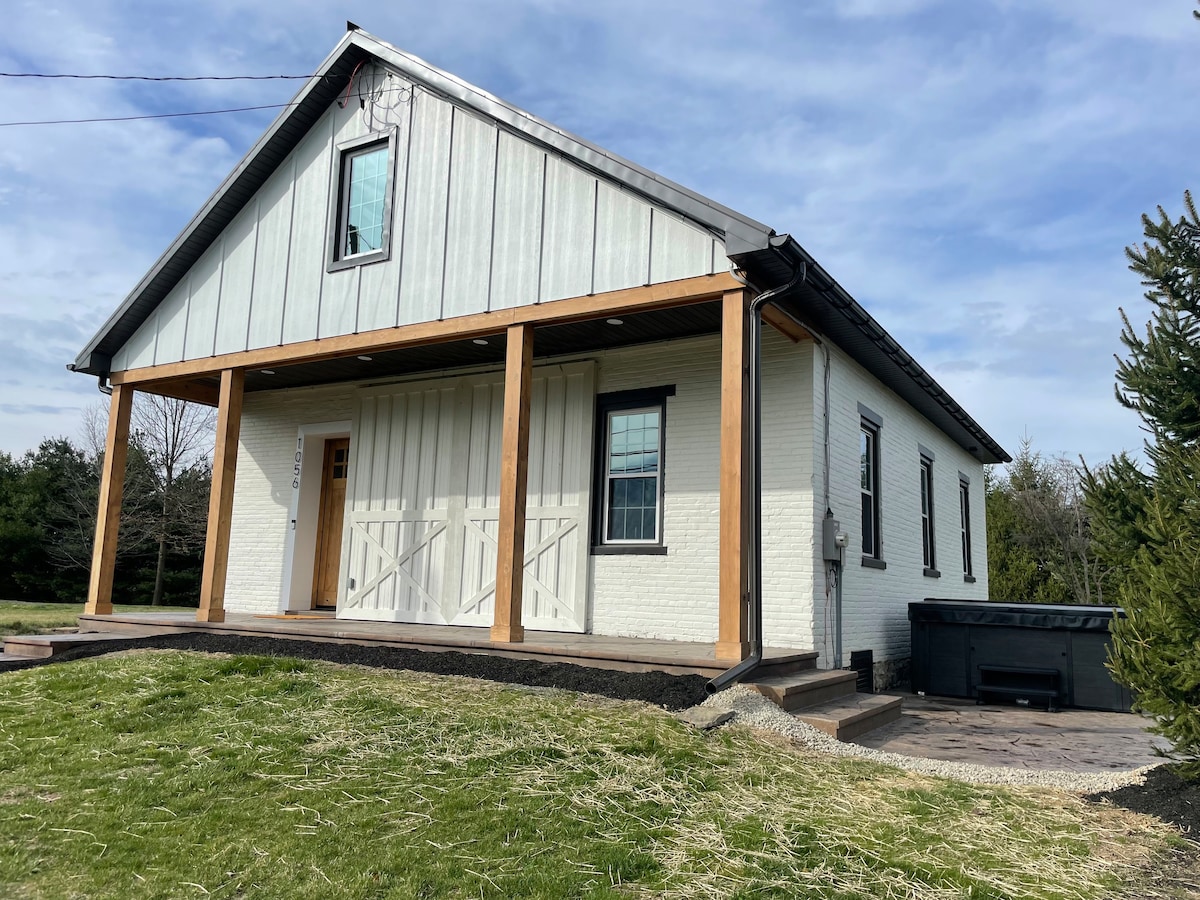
(847, 718)
(807, 688)
(8, 661)
(40, 646)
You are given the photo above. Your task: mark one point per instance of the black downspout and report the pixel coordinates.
(754, 550)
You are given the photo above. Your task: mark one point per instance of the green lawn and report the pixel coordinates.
(170, 774)
(19, 617)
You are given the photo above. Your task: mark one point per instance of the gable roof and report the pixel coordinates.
(766, 256)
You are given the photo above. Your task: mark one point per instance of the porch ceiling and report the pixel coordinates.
(551, 340)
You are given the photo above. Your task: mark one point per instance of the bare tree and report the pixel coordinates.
(177, 439)
(167, 476)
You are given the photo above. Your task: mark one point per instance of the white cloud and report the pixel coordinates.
(970, 172)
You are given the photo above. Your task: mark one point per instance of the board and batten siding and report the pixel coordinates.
(423, 506)
(481, 220)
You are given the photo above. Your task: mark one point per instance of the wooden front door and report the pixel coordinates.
(329, 522)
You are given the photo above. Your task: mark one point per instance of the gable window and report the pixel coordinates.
(629, 471)
(964, 514)
(928, 549)
(360, 232)
(868, 446)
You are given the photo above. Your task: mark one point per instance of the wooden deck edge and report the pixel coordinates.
(281, 629)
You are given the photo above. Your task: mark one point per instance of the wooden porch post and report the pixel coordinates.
(732, 638)
(108, 516)
(514, 471)
(220, 498)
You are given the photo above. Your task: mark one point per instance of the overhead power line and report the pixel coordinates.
(178, 115)
(157, 77)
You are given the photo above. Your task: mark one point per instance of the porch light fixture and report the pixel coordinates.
(615, 321)
(365, 358)
(482, 342)
(266, 371)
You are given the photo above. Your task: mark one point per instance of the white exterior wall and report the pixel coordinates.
(675, 596)
(672, 596)
(263, 488)
(875, 601)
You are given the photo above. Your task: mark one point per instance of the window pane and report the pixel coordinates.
(365, 194)
(865, 459)
(616, 525)
(632, 509)
(868, 526)
(649, 520)
(633, 442)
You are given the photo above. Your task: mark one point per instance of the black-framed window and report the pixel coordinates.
(630, 470)
(964, 513)
(868, 446)
(928, 539)
(360, 232)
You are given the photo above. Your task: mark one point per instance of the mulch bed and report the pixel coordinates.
(1165, 794)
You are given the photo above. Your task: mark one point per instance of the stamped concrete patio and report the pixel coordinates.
(1073, 740)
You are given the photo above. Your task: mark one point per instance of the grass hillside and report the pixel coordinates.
(20, 617)
(170, 774)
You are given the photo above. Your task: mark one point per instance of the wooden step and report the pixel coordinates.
(847, 718)
(786, 664)
(807, 688)
(41, 646)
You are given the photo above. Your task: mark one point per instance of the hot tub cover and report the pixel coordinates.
(1025, 615)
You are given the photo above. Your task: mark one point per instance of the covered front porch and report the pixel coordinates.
(513, 338)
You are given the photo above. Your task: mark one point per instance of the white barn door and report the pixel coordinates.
(423, 506)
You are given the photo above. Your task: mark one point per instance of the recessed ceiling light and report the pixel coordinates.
(615, 321)
(480, 341)
(266, 371)
(365, 358)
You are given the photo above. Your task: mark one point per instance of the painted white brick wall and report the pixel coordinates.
(874, 601)
(263, 489)
(676, 595)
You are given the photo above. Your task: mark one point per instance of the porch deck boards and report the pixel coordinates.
(623, 653)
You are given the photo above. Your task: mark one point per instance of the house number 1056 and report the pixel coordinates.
(296, 467)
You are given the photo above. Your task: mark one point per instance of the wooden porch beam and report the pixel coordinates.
(514, 472)
(785, 324)
(108, 516)
(191, 391)
(556, 312)
(220, 498)
(732, 629)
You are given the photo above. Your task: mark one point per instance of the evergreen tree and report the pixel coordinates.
(1149, 524)
(1161, 378)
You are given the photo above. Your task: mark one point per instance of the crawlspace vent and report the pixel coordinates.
(862, 663)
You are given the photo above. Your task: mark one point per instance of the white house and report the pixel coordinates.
(473, 370)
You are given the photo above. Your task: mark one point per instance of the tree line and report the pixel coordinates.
(49, 498)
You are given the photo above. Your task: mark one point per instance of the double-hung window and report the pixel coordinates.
(361, 229)
(629, 476)
(928, 544)
(964, 515)
(868, 446)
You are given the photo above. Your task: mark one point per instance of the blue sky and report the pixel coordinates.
(970, 172)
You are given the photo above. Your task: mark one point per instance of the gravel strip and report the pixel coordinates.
(756, 711)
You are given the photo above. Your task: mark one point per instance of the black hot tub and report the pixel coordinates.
(951, 639)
